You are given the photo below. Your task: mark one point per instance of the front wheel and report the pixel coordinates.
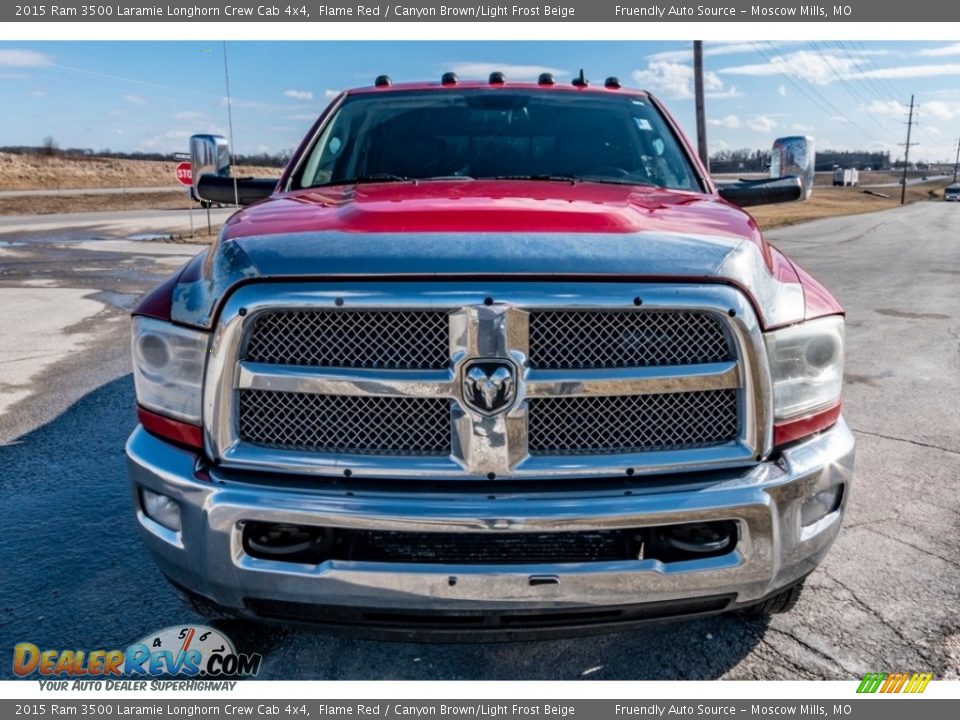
(782, 602)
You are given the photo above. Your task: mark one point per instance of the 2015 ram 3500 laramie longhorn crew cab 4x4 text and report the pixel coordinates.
(489, 356)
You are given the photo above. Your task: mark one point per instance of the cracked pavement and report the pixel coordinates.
(884, 600)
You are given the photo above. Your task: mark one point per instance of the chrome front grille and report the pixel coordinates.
(387, 385)
(632, 423)
(343, 424)
(389, 340)
(563, 339)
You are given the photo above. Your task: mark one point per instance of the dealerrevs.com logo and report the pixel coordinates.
(192, 651)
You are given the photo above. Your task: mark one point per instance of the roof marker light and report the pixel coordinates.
(383, 81)
(449, 78)
(546, 79)
(497, 78)
(612, 82)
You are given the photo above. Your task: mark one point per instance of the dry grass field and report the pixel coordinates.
(60, 172)
(831, 201)
(23, 172)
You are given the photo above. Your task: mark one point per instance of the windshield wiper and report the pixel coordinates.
(619, 181)
(558, 177)
(375, 178)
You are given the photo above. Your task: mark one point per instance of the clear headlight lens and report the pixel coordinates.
(806, 365)
(168, 366)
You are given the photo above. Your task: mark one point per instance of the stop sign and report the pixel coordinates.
(184, 174)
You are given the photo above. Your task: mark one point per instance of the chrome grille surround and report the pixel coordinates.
(632, 423)
(392, 340)
(491, 320)
(561, 339)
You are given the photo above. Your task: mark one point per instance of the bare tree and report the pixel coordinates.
(50, 147)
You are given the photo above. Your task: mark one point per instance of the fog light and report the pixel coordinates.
(821, 505)
(161, 509)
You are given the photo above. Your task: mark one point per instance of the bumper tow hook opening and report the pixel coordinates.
(295, 543)
(536, 580)
(695, 540)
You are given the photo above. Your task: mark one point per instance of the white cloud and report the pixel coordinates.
(189, 115)
(330, 94)
(814, 67)
(800, 127)
(482, 70)
(761, 123)
(676, 81)
(39, 93)
(941, 51)
(298, 94)
(939, 110)
(174, 140)
(885, 108)
(911, 71)
(730, 121)
(24, 58)
(713, 49)
(135, 99)
(168, 140)
(782, 91)
(251, 104)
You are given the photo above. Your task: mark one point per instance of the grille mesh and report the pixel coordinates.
(389, 340)
(564, 339)
(632, 423)
(480, 548)
(345, 424)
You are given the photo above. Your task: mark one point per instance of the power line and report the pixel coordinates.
(879, 78)
(850, 90)
(821, 101)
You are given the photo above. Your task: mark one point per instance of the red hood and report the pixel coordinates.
(493, 206)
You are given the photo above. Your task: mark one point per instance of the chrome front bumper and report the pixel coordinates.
(207, 557)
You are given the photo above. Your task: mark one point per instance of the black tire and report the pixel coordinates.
(782, 602)
(208, 610)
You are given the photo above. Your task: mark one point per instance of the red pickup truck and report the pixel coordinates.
(492, 357)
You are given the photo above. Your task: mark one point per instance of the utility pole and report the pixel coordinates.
(956, 162)
(698, 92)
(906, 155)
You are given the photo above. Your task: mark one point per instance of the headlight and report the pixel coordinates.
(168, 366)
(806, 365)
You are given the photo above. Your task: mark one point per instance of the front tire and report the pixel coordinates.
(782, 602)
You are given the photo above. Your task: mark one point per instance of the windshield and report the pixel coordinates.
(497, 133)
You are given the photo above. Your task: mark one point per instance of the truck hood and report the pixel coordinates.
(487, 231)
(492, 206)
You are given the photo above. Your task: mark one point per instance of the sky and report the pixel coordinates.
(151, 96)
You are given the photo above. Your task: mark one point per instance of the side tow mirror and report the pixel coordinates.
(791, 176)
(747, 193)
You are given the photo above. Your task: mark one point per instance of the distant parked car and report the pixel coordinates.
(952, 193)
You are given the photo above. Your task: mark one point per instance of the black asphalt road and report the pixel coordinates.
(75, 575)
